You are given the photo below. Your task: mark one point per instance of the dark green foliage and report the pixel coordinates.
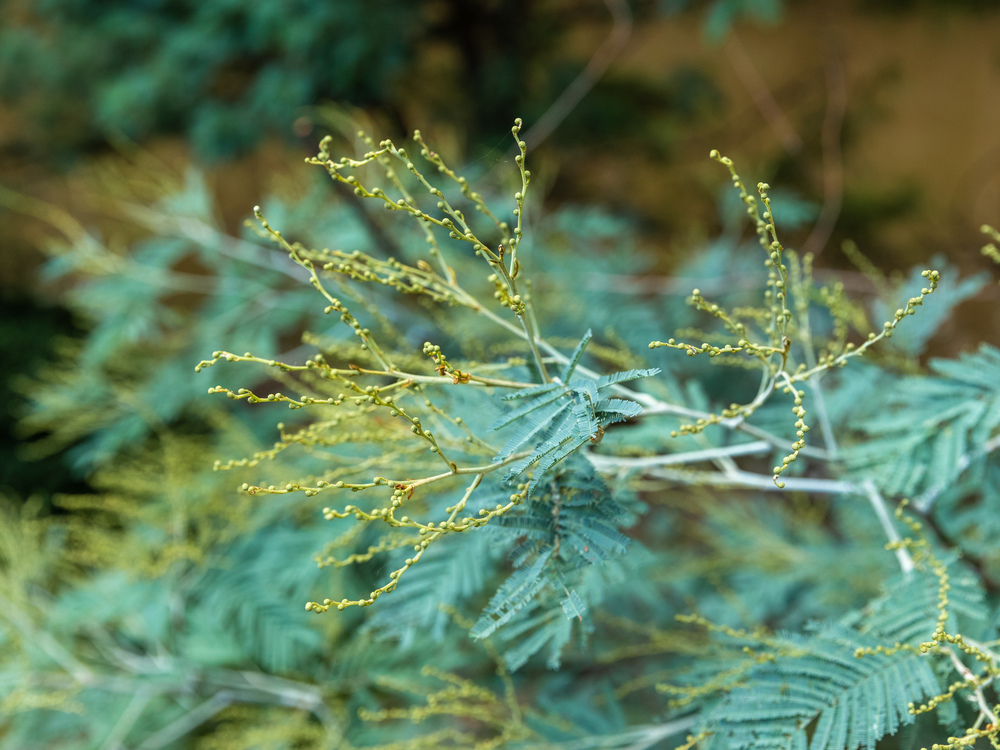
(223, 73)
(29, 329)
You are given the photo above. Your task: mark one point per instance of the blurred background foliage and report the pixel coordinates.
(223, 75)
(146, 603)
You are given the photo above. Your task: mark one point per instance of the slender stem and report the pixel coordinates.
(654, 406)
(801, 282)
(833, 161)
(127, 720)
(762, 96)
(189, 721)
(857, 352)
(534, 349)
(466, 470)
(878, 503)
(88, 246)
(980, 699)
(829, 440)
(636, 738)
(621, 30)
(603, 462)
(749, 480)
(404, 378)
(209, 236)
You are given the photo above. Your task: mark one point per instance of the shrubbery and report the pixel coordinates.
(493, 433)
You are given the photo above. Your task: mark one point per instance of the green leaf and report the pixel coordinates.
(556, 419)
(515, 593)
(854, 701)
(577, 353)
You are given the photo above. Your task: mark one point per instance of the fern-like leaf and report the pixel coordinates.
(924, 432)
(555, 419)
(907, 612)
(577, 353)
(516, 592)
(625, 376)
(850, 702)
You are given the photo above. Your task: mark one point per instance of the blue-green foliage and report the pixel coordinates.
(129, 304)
(926, 429)
(968, 513)
(172, 593)
(823, 697)
(449, 576)
(816, 692)
(273, 636)
(910, 603)
(555, 419)
(224, 73)
(573, 523)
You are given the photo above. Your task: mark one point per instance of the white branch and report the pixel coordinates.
(878, 503)
(637, 738)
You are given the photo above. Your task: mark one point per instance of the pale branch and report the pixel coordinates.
(208, 236)
(635, 738)
(127, 719)
(749, 480)
(95, 252)
(977, 694)
(347, 375)
(653, 406)
(188, 722)
(761, 94)
(833, 159)
(878, 503)
(606, 463)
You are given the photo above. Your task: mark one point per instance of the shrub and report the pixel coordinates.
(570, 534)
(445, 496)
